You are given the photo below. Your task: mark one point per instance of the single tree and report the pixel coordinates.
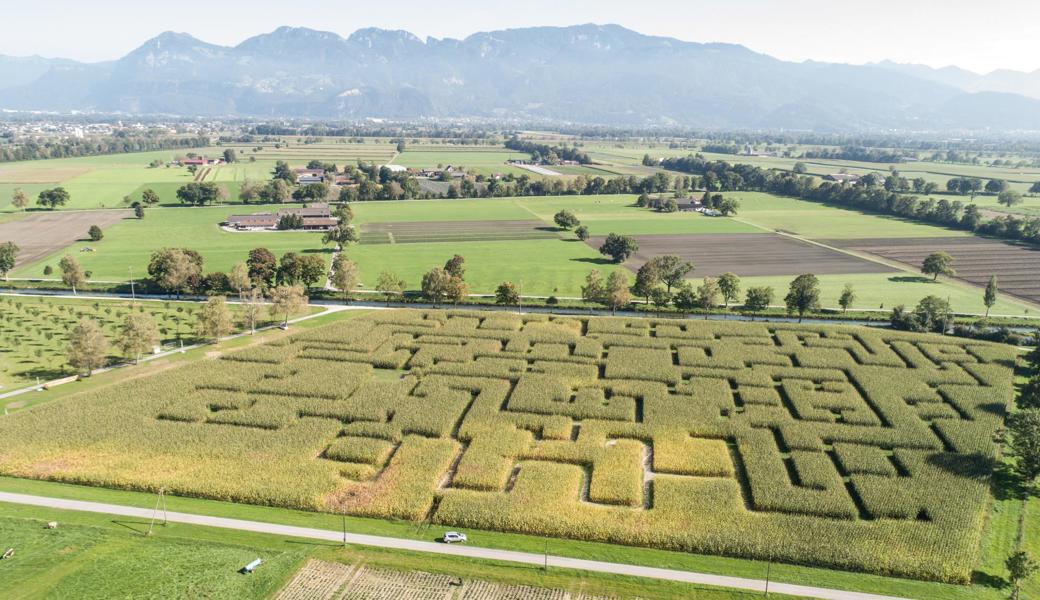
(150, 197)
(803, 295)
(989, 297)
(389, 284)
(758, 298)
(729, 285)
(53, 198)
(435, 285)
(238, 278)
(565, 219)
(507, 294)
(214, 321)
(19, 199)
(345, 275)
(685, 297)
(283, 172)
(936, 264)
(229, 156)
(198, 194)
(175, 270)
(312, 270)
(342, 235)
(800, 168)
(582, 232)
(708, 294)
(8, 258)
(1009, 198)
(139, 211)
(729, 206)
(1035, 188)
(138, 335)
(647, 280)
(72, 273)
(263, 267)
(290, 269)
(618, 247)
(932, 313)
(660, 297)
(1029, 395)
(847, 298)
(1024, 443)
(594, 289)
(1021, 567)
(95, 234)
(287, 300)
(456, 266)
(617, 294)
(251, 306)
(88, 348)
(671, 269)
(456, 290)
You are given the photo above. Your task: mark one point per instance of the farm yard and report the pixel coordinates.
(1016, 266)
(839, 447)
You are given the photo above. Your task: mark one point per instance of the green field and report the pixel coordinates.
(818, 221)
(793, 463)
(131, 242)
(84, 561)
(883, 291)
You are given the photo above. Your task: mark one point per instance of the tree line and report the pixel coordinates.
(868, 194)
(32, 149)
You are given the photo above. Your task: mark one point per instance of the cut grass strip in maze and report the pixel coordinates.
(456, 231)
(831, 446)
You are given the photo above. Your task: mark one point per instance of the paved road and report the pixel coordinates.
(707, 579)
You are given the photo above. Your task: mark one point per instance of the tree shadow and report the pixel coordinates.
(910, 279)
(975, 466)
(549, 228)
(135, 526)
(993, 408)
(595, 261)
(318, 250)
(1006, 484)
(986, 580)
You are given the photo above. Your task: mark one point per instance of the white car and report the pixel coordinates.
(454, 536)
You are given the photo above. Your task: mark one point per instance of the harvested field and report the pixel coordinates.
(747, 255)
(43, 233)
(455, 231)
(831, 446)
(39, 175)
(322, 580)
(1017, 266)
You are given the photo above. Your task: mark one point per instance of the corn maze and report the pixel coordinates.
(843, 447)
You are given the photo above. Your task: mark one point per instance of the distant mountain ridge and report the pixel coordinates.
(596, 74)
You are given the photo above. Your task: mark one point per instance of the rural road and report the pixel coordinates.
(706, 579)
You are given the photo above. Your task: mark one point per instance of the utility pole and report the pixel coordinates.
(769, 568)
(161, 499)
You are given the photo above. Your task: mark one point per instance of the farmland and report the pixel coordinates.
(1016, 266)
(838, 447)
(131, 242)
(38, 235)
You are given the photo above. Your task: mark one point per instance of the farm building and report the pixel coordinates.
(843, 177)
(200, 161)
(315, 218)
(394, 168)
(308, 176)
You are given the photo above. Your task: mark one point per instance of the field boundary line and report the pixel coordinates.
(705, 579)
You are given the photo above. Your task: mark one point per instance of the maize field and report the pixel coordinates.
(843, 447)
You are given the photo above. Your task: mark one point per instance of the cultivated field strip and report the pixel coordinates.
(1017, 266)
(455, 231)
(322, 580)
(842, 447)
(748, 254)
(40, 234)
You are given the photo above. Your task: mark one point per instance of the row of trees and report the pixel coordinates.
(867, 194)
(120, 143)
(88, 348)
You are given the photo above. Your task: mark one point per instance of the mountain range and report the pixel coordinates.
(595, 74)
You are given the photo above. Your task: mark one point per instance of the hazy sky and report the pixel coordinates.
(981, 36)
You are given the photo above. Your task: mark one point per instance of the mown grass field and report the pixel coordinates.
(90, 561)
(839, 447)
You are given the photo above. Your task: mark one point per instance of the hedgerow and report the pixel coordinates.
(833, 446)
